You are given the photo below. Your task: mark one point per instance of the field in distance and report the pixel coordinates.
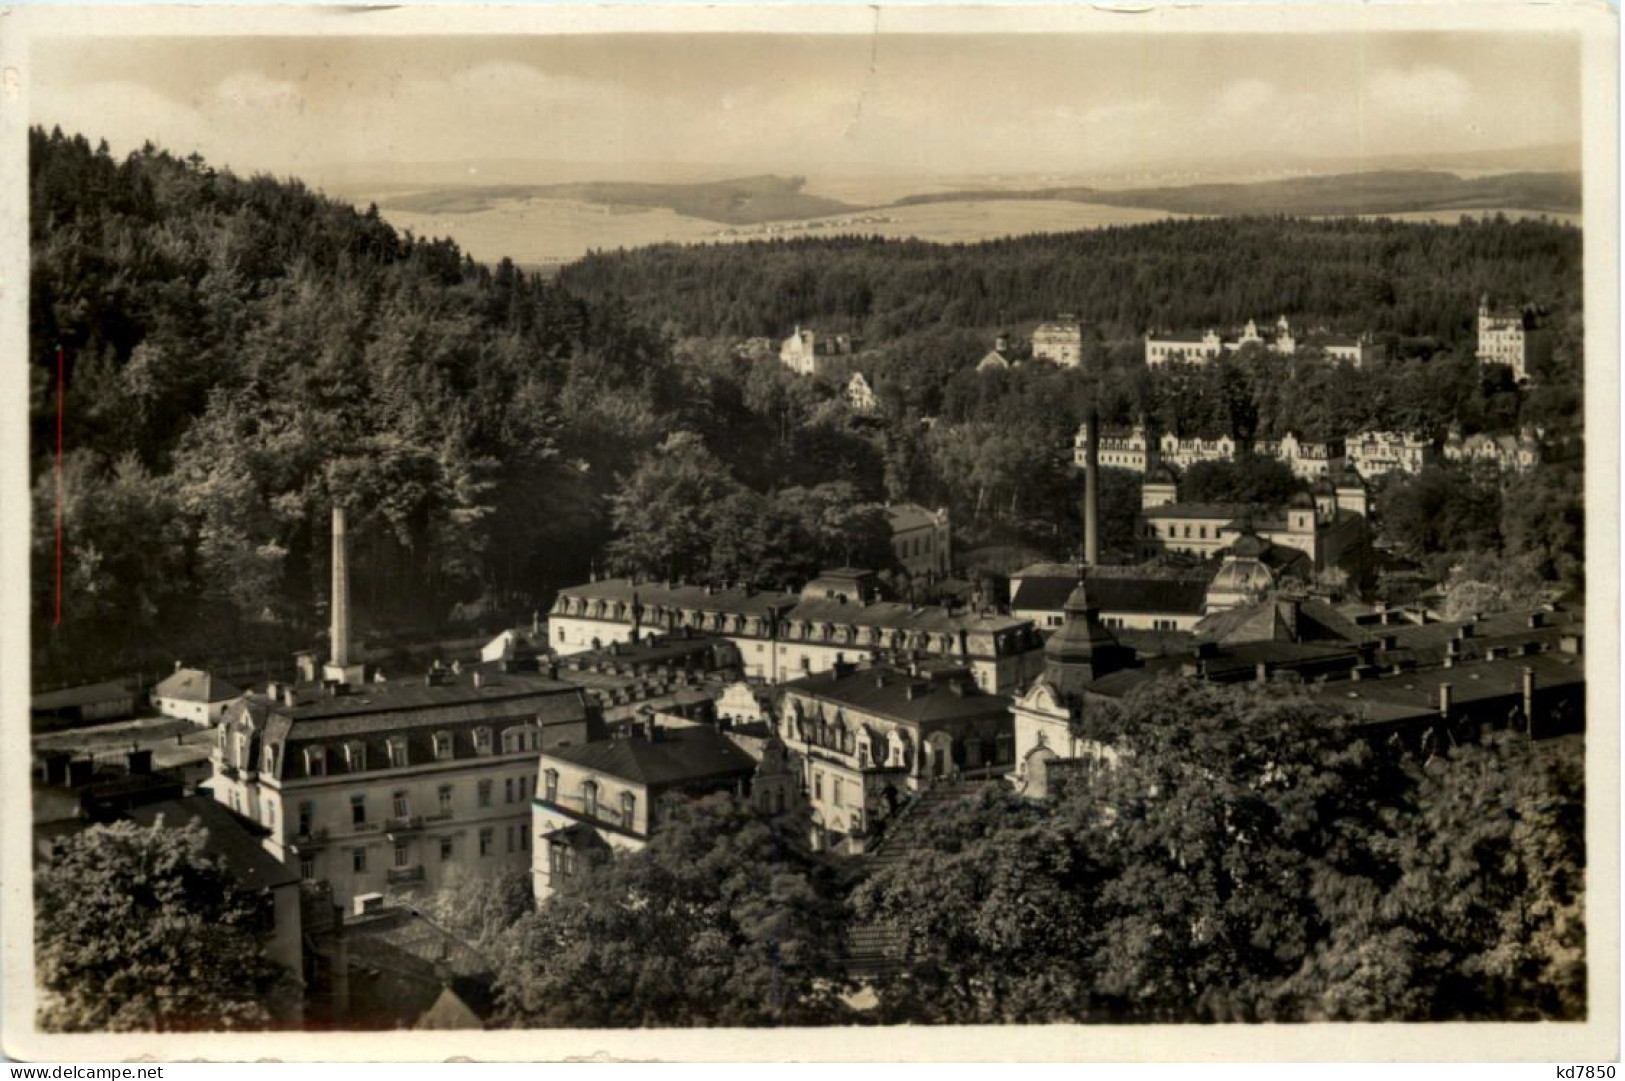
(547, 232)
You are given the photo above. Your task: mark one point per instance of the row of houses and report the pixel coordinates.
(1207, 346)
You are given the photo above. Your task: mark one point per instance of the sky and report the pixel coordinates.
(793, 103)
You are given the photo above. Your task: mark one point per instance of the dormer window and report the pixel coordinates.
(397, 752)
(355, 756)
(271, 754)
(316, 761)
(442, 746)
(515, 740)
(482, 741)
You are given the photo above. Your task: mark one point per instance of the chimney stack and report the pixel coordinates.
(1529, 699)
(1445, 699)
(1091, 492)
(339, 637)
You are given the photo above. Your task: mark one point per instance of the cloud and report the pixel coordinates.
(1426, 91)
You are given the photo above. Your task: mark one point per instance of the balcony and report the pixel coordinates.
(366, 827)
(310, 838)
(403, 826)
(405, 876)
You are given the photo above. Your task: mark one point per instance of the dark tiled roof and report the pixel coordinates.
(1185, 595)
(653, 594)
(677, 756)
(884, 692)
(230, 838)
(1227, 512)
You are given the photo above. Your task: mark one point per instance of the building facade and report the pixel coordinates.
(921, 539)
(1060, 342)
(803, 350)
(784, 636)
(1376, 453)
(1206, 347)
(192, 694)
(860, 396)
(597, 798)
(1120, 448)
(1510, 336)
(867, 736)
(391, 786)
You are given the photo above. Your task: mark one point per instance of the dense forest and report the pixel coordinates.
(241, 353)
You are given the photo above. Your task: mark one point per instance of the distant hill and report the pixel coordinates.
(1388, 192)
(746, 201)
(1385, 192)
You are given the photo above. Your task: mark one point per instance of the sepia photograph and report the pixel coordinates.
(643, 519)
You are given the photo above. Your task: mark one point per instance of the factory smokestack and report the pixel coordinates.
(339, 637)
(1091, 492)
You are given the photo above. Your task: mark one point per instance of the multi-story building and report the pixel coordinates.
(1060, 342)
(1205, 347)
(783, 636)
(1120, 448)
(609, 795)
(1510, 336)
(1127, 598)
(921, 539)
(1306, 458)
(860, 396)
(804, 351)
(1376, 453)
(1187, 451)
(866, 736)
(393, 785)
(1510, 454)
(1323, 530)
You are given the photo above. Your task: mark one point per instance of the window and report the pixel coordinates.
(835, 790)
(445, 849)
(397, 753)
(551, 778)
(485, 793)
(307, 811)
(445, 799)
(818, 786)
(358, 810)
(485, 841)
(442, 746)
(482, 741)
(402, 855)
(511, 842)
(515, 740)
(589, 799)
(355, 757)
(270, 815)
(358, 860)
(307, 865)
(629, 804)
(316, 761)
(401, 808)
(271, 750)
(507, 790)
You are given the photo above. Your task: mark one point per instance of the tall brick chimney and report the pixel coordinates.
(340, 668)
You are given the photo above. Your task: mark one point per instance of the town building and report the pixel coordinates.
(394, 785)
(860, 396)
(1509, 454)
(1207, 346)
(609, 795)
(999, 358)
(1323, 533)
(1059, 342)
(782, 636)
(868, 736)
(71, 707)
(1120, 448)
(1140, 598)
(1376, 453)
(1077, 656)
(192, 694)
(1186, 451)
(1306, 458)
(805, 351)
(922, 539)
(1510, 336)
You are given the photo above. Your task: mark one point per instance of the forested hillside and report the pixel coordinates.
(240, 353)
(1389, 278)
